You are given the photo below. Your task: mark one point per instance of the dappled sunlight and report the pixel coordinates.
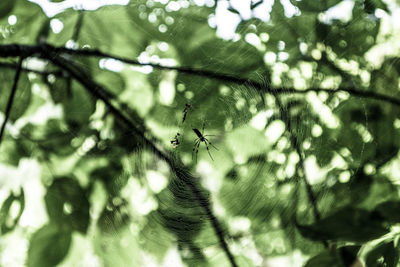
(199, 133)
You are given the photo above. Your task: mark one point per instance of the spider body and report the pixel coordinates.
(201, 137)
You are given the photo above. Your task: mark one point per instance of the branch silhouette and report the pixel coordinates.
(295, 144)
(11, 98)
(232, 79)
(53, 54)
(180, 171)
(14, 50)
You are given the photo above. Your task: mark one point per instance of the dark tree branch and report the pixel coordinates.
(98, 92)
(11, 98)
(15, 50)
(295, 144)
(232, 79)
(53, 54)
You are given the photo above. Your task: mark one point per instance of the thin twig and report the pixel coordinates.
(45, 51)
(52, 54)
(78, 26)
(75, 36)
(11, 98)
(232, 79)
(295, 144)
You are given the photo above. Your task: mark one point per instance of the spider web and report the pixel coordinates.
(248, 181)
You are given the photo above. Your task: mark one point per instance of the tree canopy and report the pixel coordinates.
(147, 134)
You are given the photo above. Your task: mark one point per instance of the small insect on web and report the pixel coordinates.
(175, 142)
(201, 138)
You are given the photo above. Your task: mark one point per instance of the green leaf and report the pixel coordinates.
(177, 30)
(314, 6)
(30, 18)
(348, 255)
(250, 180)
(7, 221)
(67, 204)
(383, 145)
(348, 224)
(384, 254)
(371, 5)
(353, 38)
(22, 96)
(380, 191)
(360, 185)
(283, 30)
(385, 79)
(108, 28)
(54, 137)
(48, 246)
(113, 81)
(60, 89)
(13, 150)
(341, 257)
(43, 32)
(214, 51)
(325, 259)
(6, 6)
(79, 107)
(389, 210)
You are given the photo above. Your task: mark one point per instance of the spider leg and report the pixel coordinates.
(208, 150)
(213, 146)
(196, 149)
(211, 143)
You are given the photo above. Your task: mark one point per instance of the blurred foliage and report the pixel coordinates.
(48, 246)
(80, 188)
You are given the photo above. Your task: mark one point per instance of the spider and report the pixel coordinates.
(201, 138)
